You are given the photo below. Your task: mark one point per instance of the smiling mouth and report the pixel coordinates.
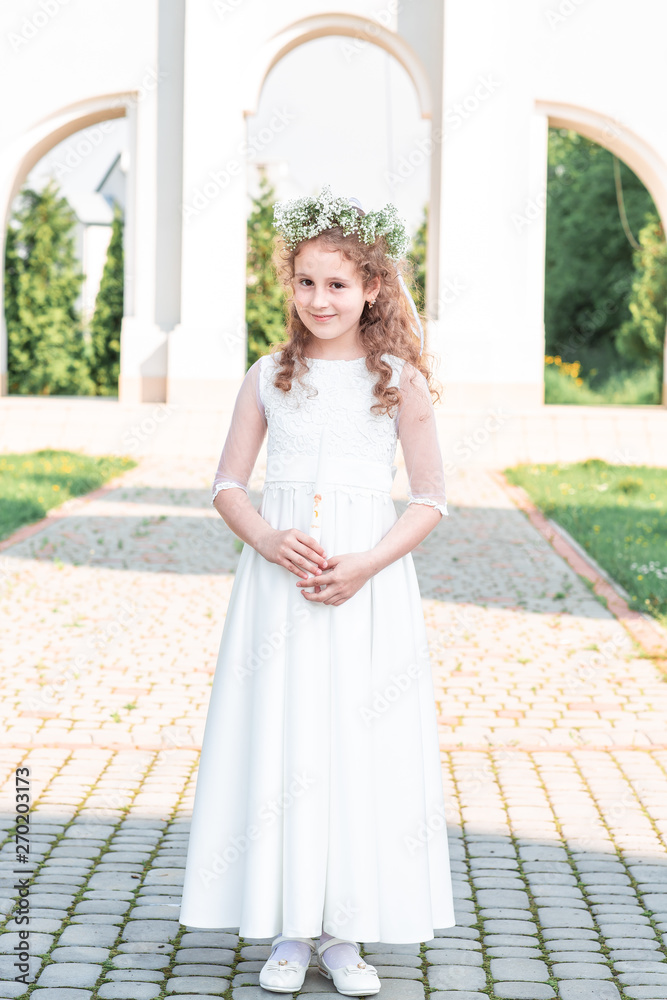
(325, 316)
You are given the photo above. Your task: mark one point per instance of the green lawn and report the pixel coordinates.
(34, 482)
(615, 512)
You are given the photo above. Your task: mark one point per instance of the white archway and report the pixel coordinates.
(19, 158)
(363, 29)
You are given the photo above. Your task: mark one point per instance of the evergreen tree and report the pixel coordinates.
(417, 255)
(108, 315)
(642, 337)
(265, 299)
(588, 257)
(46, 351)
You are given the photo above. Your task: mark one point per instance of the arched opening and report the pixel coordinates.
(65, 143)
(368, 100)
(606, 264)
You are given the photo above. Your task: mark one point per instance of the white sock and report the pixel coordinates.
(293, 951)
(339, 955)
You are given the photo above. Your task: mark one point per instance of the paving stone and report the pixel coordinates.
(572, 944)
(145, 948)
(378, 948)
(9, 989)
(400, 989)
(197, 984)
(509, 927)
(643, 979)
(524, 991)
(64, 993)
(222, 955)
(576, 956)
(88, 935)
(128, 991)
(576, 933)
(105, 906)
(39, 943)
(464, 944)
(557, 917)
(153, 930)
(519, 970)
(69, 974)
(453, 977)
(580, 970)
(513, 899)
(457, 995)
(444, 957)
(135, 975)
(397, 972)
(141, 961)
(203, 970)
(643, 993)
(507, 952)
(209, 939)
(410, 961)
(79, 953)
(591, 990)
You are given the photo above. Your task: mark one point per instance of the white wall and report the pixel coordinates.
(491, 75)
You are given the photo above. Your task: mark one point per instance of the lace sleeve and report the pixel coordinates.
(244, 437)
(417, 432)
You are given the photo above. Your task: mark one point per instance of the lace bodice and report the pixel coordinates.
(337, 394)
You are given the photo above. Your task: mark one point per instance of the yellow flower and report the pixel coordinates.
(596, 527)
(55, 486)
(640, 577)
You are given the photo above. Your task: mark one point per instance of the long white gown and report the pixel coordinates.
(319, 801)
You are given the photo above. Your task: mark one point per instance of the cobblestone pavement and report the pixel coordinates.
(553, 739)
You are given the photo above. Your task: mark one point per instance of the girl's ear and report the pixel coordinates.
(375, 287)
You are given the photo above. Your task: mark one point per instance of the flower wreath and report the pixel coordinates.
(303, 218)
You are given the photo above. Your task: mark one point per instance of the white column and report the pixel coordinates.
(207, 351)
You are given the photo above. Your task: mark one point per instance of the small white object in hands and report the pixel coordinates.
(316, 521)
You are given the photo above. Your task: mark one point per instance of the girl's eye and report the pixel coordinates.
(338, 283)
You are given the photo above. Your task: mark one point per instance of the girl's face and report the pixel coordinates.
(329, 295)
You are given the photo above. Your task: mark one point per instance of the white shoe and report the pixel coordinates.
(281, 975)
(358, 980)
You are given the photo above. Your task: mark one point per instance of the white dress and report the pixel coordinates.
(319, 801)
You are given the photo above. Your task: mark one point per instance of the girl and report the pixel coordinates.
(319, 806)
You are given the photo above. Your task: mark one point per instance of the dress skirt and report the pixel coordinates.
(319, 801)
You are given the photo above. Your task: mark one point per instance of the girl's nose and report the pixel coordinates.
(319, 297)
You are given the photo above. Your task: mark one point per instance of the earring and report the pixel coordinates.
(371, 303)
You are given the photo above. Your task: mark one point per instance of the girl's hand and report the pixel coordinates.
(293, 549)
(346, 574)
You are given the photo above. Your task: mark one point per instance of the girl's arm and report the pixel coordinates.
(293, 549)
(427, 501)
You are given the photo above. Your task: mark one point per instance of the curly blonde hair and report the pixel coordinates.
(384, 329)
